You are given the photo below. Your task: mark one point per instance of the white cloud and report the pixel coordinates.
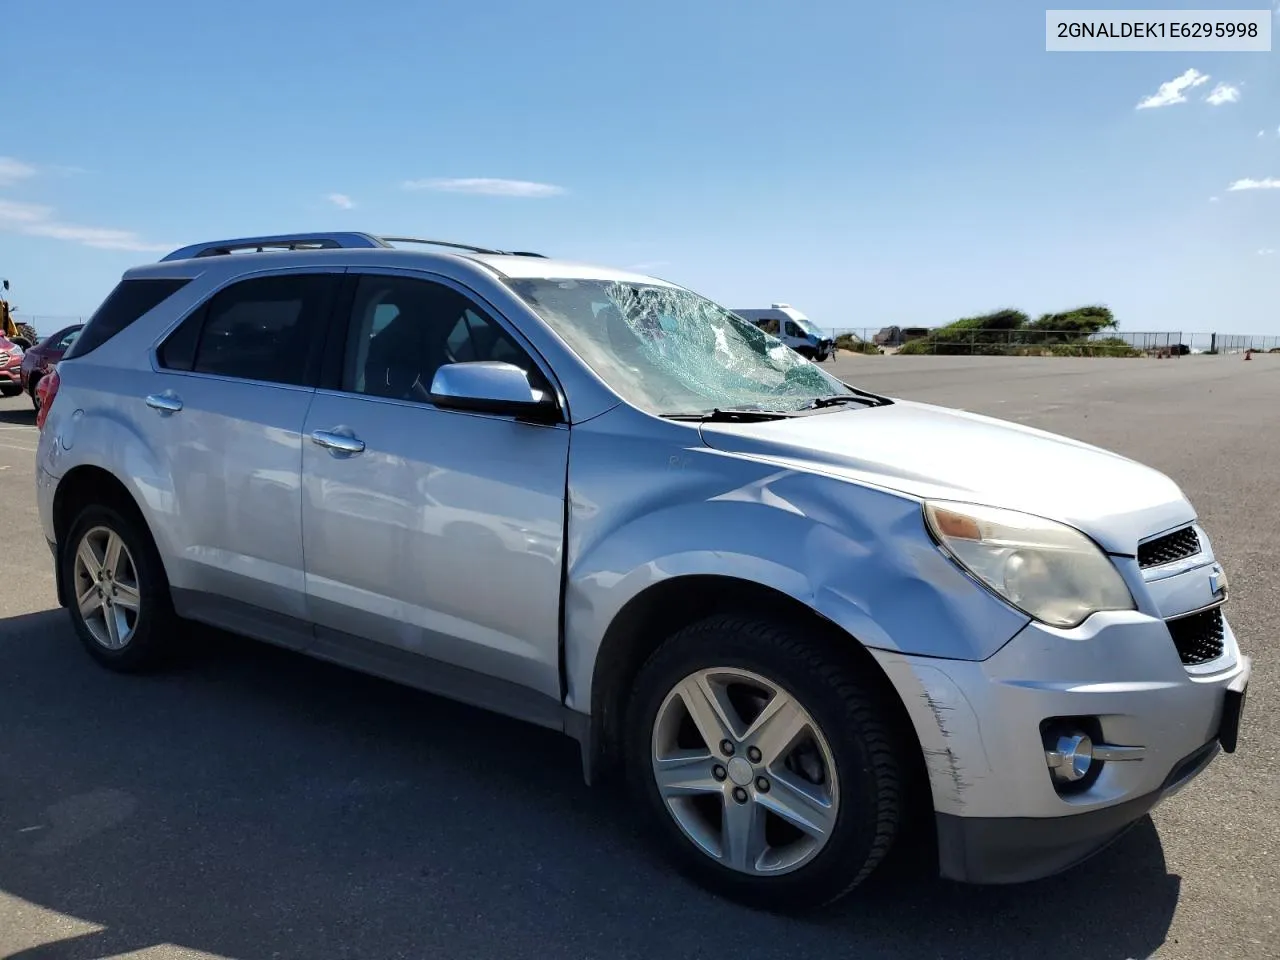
(1171, 92)
(1261, 134)
(487, 186)
(1213, 199)
(341, 201)
(648, 265)
(1267, 252)
(1266, 183)
(36, 220)
(12, 170)
(1223, 93)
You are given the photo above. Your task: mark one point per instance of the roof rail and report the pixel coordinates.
(318, 241)
(459, 246)
(287, 241)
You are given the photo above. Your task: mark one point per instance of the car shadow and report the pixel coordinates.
(20, 415)
(250, 802)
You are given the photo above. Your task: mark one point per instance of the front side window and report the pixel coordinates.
(403, 330)
(672, 352)
(265, 328)
(806, 326)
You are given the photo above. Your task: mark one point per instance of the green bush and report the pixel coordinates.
(847, 341)
(1010, 332)
(916, 346)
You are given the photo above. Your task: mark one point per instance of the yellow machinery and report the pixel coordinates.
(22, 334)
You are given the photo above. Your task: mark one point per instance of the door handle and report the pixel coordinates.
(164, 402)
(337, 442)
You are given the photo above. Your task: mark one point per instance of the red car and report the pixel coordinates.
(41, 358)
(10, 367)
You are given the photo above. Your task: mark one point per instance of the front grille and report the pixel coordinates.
(1199, 637)
(1167, 549)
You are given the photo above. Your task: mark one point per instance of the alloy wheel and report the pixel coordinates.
(106, 587)
(745, 771)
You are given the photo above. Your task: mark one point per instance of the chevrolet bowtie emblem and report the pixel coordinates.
(1218, 580)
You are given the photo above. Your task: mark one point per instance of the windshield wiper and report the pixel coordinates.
(730, 416)
(858, 396)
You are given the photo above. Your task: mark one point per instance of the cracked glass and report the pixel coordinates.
(673, 352)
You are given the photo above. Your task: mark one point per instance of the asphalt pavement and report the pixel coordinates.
(253, 803)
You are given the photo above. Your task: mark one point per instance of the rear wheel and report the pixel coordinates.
(118, 595)
(763, 762)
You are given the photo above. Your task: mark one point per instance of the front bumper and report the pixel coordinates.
(1000, 817)
(997, 850)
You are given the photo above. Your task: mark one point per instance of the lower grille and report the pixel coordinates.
(1200, 637)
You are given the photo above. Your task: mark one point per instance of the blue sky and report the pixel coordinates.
(870, 164)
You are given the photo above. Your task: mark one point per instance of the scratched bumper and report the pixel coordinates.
(999, 850)
(978, 725)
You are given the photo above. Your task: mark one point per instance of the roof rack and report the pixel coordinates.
(316, 241)
(461, 246)
(286, 241)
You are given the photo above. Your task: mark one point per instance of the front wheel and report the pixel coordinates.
(35, 397)
(764, 762)
(10, 389)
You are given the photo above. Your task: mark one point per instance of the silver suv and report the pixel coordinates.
(799, 620)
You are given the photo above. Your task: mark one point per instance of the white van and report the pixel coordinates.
(793, 328)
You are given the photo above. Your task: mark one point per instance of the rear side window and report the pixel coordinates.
(267, 328)
(125, 304)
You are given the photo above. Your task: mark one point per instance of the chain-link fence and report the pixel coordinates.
(1236, 343)
(1028, 342)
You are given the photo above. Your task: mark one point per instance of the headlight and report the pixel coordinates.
(1046, 569)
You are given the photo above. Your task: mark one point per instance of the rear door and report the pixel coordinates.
(227, 406)
(430, 533)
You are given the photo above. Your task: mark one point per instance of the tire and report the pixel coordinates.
(145, 633)
(806, 352)
(10, 389)
(854, 743)
(31, 389)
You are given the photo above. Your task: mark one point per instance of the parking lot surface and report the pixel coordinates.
(253, 803)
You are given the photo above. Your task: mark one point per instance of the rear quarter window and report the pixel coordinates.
(125, 304)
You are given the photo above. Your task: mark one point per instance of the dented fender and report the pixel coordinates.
(644, 509)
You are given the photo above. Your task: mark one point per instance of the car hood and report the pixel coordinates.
(925, 451)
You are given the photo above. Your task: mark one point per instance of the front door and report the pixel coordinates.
(430, 531)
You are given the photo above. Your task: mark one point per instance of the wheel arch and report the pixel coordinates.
(79, 487)
(658, 611)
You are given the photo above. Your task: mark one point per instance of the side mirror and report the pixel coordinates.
(490, 386)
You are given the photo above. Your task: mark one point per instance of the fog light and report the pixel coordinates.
(1071, 757)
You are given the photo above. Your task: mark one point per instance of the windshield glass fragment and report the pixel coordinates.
(670, 351)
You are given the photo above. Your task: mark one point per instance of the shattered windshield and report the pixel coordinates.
(671, 352)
